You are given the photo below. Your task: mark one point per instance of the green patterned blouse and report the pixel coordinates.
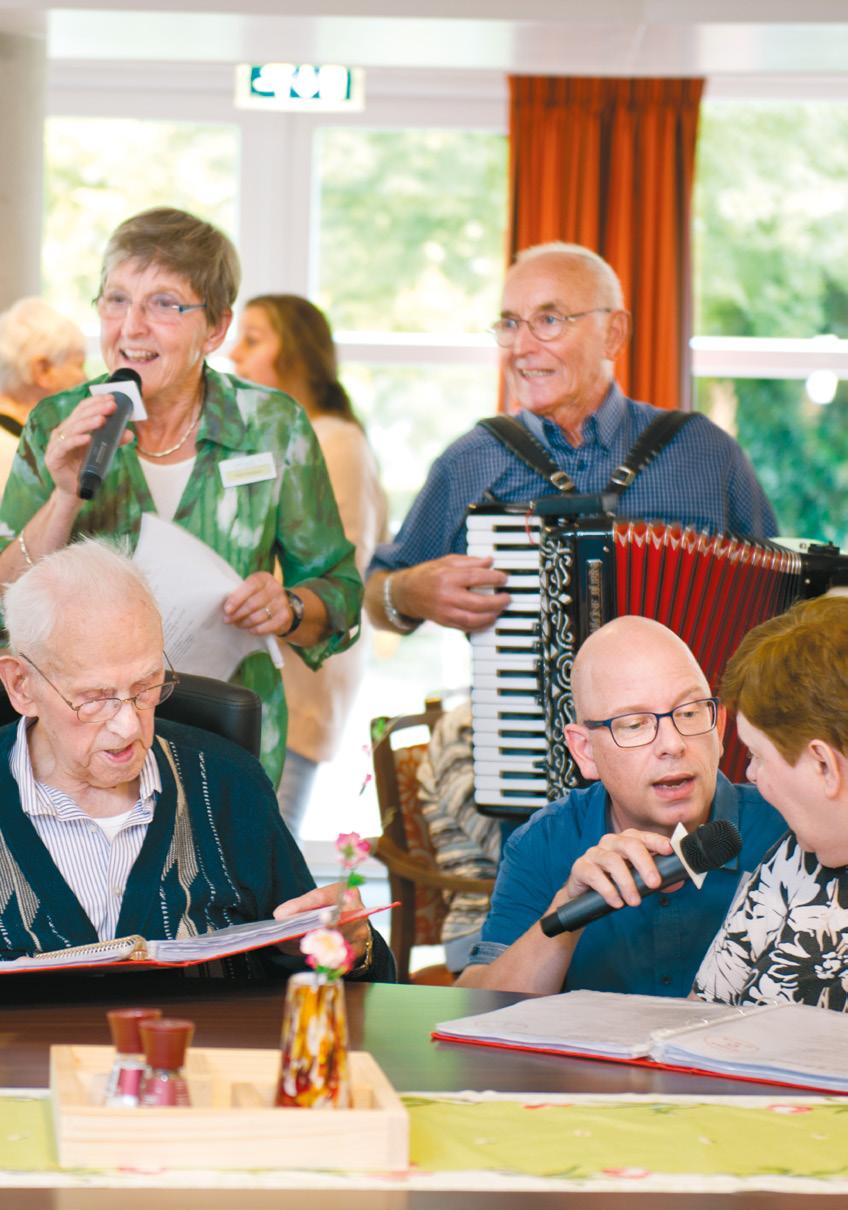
(292, 517)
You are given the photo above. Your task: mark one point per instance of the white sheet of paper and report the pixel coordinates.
(126, 387)
(190, 582)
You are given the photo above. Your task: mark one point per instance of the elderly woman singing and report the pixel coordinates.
(167, 287)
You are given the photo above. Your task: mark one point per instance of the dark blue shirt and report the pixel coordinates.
(652, 950)
(701, 479)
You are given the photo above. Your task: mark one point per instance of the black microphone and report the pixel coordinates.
(707, 848)
(105, 441)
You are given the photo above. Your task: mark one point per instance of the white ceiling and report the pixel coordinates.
(626, 37)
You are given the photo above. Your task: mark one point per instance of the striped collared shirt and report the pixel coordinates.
(94, 867)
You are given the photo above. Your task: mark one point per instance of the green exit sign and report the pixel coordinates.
(303, 86)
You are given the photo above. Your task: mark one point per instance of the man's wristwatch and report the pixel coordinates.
(297, 608)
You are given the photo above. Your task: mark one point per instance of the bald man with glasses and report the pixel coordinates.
(649, 739)
(562, 324)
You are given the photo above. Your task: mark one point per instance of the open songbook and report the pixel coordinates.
(777, 1043)
(187, 951)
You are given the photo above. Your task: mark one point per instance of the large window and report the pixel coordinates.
(411, 229)
(409, 237)
(771, 247)
(408, 240)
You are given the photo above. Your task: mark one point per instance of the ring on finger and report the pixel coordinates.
(60, 434)
(268, 610)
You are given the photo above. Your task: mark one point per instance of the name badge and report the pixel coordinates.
(248, 468)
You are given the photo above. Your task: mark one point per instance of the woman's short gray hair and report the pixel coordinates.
(605, 276)
(89, 569)
(31, 328)
(185, 245)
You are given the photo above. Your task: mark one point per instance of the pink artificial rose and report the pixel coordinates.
(326, 950)
(352, 849)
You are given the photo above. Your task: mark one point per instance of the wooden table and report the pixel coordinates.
(394, 1023)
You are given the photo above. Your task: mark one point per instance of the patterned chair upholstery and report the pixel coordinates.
(405, 848)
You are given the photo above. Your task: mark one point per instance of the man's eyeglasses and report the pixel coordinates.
(637, 730)
(161, 308)
(545, 325)
(101, 709)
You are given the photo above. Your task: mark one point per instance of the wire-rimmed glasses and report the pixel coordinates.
(160, 307)
(545, 324)
(101, 709)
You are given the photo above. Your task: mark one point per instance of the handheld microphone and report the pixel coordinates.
(105, 440)
(707, 848)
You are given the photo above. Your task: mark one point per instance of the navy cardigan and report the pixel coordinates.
(216, 853)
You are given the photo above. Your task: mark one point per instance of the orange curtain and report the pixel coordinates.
(609, 163)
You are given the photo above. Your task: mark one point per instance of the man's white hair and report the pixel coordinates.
(605, 276)
(93, 572)
(30, 329)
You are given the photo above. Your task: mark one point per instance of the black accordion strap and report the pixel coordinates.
(654, 439)
(512, 433)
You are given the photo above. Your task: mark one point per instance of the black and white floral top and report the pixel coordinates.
(785, 936)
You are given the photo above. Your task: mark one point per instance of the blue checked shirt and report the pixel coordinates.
(94, 867)
(701, 479)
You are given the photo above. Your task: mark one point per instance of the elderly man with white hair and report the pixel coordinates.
(41, 352)
(113, 822)
(562, 324)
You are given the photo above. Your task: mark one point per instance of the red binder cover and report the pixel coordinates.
(641, 1061)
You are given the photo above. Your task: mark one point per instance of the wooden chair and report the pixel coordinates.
(405, 848)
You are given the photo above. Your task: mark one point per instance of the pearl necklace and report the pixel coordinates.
(172, 449)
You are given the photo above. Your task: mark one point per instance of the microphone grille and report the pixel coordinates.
(711, 845)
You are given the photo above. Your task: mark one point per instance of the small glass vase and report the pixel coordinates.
(313, 1062)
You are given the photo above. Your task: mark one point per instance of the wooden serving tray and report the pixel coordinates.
(231, 1123)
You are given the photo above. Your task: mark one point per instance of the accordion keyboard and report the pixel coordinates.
(508, 732)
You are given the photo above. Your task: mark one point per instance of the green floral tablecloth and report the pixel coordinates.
(494, 1141)
(584, 1140)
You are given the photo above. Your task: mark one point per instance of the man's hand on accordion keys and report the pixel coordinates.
(460, 591)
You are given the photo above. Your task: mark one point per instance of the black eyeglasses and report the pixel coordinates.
(545, 325)
(101, 709)
(637, 730)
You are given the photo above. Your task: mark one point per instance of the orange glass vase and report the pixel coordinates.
(314, 1064)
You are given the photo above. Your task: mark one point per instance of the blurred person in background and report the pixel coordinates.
(41, 352)
(167, 287)
(285, 342)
